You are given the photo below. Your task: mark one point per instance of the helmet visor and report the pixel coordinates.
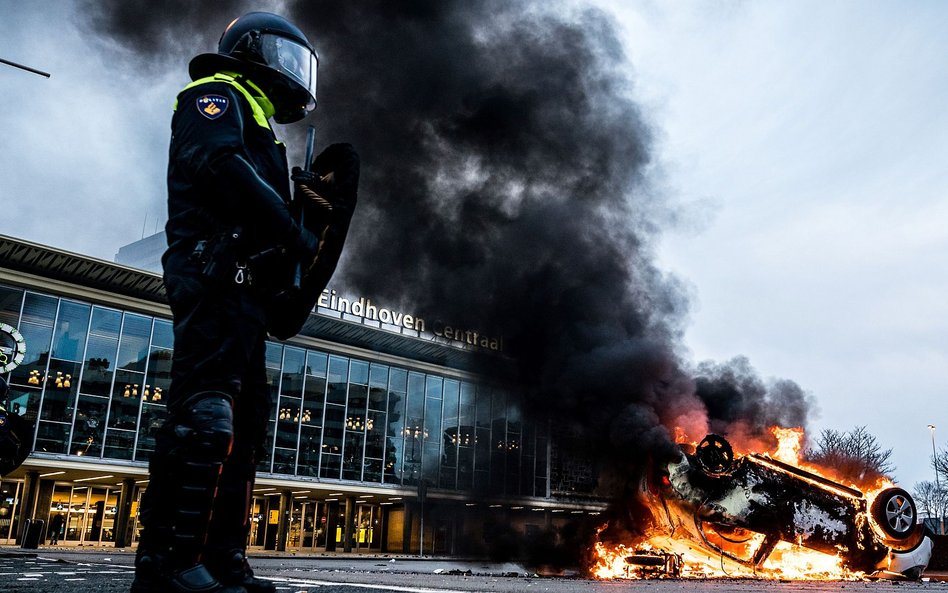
(294, 60)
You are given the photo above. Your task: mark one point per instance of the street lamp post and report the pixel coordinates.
(941, 520)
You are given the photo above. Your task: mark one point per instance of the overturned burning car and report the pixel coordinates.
(737, 510)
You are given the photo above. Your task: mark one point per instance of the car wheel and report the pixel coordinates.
(715, 455)
(894, 511)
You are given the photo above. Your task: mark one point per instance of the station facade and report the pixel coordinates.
(380, 439)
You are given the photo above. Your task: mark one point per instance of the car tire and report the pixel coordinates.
(715, 456)
(894, 512)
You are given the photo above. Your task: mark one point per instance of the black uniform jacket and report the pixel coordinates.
(227, 173)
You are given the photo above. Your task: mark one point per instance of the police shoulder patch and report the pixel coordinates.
(212, 106)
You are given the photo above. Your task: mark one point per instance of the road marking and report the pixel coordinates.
(298, 582)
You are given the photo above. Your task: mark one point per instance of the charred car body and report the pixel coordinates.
(741, 508)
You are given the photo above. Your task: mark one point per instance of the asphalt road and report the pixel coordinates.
(58, 571)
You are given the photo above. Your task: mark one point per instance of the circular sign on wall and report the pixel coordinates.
(12, 348)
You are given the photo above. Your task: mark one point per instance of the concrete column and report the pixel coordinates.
(283, 530)
(28, 504)
(349, 525)
(410, 513)
(332, 520)
(124, 522)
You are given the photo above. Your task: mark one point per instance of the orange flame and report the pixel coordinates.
(787, 561)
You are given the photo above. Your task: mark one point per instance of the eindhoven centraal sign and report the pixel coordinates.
(364, 308)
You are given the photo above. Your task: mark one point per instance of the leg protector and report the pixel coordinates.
(185, 469)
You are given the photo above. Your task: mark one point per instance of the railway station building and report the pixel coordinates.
(381, 437)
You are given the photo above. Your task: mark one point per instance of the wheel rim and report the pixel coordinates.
(899, 514)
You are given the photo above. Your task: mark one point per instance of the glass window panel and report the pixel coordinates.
(89, 426)
(314, 389)
(153, 416)
(394, 438)
(71, 328)
(514, 416)
(126, 396)
(274, 358)
(133, 346)
(352, 456)
(482, 407)
(431, 464)
(451, 391)
(32, 370)
(309, 451)
(284, 461)
(158, 380)
(542, 453)
(465, 468)
(163, 334)
(39, 309)
(293, 372)
(11, 299)
(372, 472)
(316, 364)
(338, 371)
(52, 437)
(467, 394)
(333, 429)
(378, 375)
(60, 394)
(482, 448)
(432, 432)
(24, 401)
(448, 478)
(433, 386)
(377, 397)
(330, 466)
(398, 380)
(263, 464)
(466, 416)
(97, 375)
(119, 443)
(358, 372)
(288, 422)
(375, 435)
(101, 351)
(358, 398)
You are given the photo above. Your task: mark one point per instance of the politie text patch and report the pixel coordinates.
(212, 106)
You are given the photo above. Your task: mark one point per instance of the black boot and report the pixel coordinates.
(230, 567)
(153, 574)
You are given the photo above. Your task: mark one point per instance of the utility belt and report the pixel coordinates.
(223, 259)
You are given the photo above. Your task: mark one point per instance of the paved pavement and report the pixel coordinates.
(110, 571)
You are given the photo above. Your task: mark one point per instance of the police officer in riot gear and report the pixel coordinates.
(233, 241)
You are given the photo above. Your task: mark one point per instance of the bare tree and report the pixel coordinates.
(940, 463)
(855, 455)
(931, 500)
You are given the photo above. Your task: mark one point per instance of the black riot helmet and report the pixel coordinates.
(274, 54)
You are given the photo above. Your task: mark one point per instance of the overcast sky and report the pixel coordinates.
(803, 142)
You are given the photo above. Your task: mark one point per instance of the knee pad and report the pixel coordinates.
(204, 427)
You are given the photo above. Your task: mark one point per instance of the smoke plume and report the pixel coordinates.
(506, 189)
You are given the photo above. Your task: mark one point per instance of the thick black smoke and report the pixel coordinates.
(506, 188)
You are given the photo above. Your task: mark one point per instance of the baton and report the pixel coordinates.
(307, 166)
